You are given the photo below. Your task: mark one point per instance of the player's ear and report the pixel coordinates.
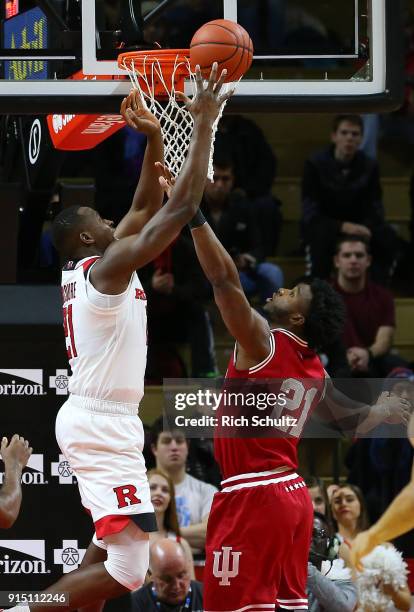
(86, 237)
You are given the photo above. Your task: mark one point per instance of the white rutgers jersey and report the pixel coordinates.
(106, 336)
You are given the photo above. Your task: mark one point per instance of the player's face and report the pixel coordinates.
(172, 582)
(171, 450)
(347, 139)
(160, 492)
(286, 302)
(352, 260)
(218, 192)
(317, 499)
(101, 230)
(345, 506)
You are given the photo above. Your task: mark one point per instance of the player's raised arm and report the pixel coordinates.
(148, 196)
(122, 257)
(249, 328)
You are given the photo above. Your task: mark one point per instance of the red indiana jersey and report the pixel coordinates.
(301, 381)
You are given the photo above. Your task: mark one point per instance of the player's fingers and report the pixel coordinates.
(224, 97)
(217, 86)
(212, 76)
(4, 442)
(183, 98)
(14, 438)
(199, 79)
(123, 107)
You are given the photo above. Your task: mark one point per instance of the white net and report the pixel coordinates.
(175, 120)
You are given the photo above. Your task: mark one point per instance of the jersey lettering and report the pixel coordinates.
(126, 496)
(69, 335)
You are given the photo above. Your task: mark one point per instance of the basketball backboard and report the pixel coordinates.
(310, 55)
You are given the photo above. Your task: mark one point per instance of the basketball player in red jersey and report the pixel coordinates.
(260, 524)
(98, 429)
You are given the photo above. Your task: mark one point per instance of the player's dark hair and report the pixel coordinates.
(354, 119)
(352, 238)
(62, 227)
(326, 315)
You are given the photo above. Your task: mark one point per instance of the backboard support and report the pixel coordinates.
(310, 56)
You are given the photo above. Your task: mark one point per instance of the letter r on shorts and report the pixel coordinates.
(126, 496)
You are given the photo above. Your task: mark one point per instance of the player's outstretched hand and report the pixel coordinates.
(363, 544)
(137, 116)
(17, 453)
(399, 409)
(208, 100)
(166, 179)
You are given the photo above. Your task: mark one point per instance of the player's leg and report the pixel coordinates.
(292, 594)
(245, 545)
(96, 553)
(124, 570)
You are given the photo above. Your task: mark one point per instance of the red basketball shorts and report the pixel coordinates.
(258, 539)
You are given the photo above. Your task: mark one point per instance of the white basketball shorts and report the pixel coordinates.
(103, 443)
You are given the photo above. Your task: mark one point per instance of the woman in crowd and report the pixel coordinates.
(163, 500)
(383, 581)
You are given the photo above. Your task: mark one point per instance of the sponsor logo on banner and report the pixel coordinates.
(23, 382)
(23, 557)
(69, 556)
(35, 140)
(60, 121)
(33, 473)
(60, 382)
(63, 471)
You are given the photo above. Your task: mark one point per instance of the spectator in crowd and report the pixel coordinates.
(330, 587)
(193, 497)
(15, 456)
(370, 323)
(176, 288)
(232, 218)
(255, 167)
(171, 588)
(319, 496)
(350, 513)
(341, 194)
(163, 499)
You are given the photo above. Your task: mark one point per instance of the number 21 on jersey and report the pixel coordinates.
(69, 335)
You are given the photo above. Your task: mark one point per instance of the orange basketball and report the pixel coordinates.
(225, 42)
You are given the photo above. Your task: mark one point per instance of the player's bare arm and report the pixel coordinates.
(148, 196)
(15, 457)
(112, 273)
(356, 418)
(250, 330)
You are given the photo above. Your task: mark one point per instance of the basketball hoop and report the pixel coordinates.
(158, 74)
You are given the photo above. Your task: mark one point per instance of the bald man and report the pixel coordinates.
(171, 589)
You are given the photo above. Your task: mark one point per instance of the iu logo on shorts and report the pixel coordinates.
(226, 571)
(126, 496)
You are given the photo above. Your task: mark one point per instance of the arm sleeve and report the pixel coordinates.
(332, 595)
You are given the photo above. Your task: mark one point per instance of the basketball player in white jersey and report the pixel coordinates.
(104, 308)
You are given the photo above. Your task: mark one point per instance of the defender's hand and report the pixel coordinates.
(363, 544)
(137, 116)
(207, 102)
(17, 453)
(166, 179)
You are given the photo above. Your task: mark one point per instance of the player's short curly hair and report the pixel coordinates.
(62, 228)
(326, 315)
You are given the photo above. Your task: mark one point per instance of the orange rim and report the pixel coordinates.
(167, 58)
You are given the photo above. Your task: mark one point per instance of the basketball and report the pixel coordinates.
(225, 42)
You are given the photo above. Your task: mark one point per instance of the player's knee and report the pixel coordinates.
(128, 557)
